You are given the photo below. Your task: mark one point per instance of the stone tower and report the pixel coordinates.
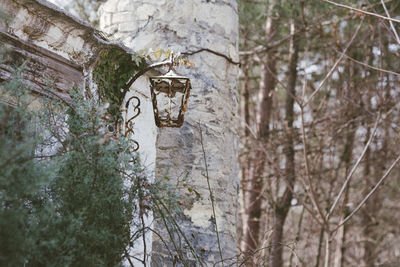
(208, 29)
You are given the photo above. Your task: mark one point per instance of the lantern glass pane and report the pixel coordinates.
(169, 95)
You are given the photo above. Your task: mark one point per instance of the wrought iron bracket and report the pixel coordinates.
(129, 121)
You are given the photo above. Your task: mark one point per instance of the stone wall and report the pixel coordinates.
(188, 26)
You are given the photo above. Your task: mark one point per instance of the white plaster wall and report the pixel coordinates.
(145, 133)
(144, 125)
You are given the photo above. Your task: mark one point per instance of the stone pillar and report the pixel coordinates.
(187, 26)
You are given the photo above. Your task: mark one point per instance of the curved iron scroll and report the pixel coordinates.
(129, 121)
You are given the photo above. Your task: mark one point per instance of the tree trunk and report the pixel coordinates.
(341, 233)
(276, 238)
(264, 108)
(321, 239)
(346, 158)
(298, 234)
(366, 218)
(370, 214)
(256, 183)
(245, 158)
(283, 204)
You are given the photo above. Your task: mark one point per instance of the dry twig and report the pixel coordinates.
(361, 11)
(354, 167)
(391, 22)
(369, 194)
(334, 66)
(312, 195)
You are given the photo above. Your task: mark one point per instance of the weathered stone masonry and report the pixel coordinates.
(186, 26)
(59, 50)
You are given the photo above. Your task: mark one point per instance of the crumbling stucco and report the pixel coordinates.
(187, 26)
(44, 25)
(60, 47)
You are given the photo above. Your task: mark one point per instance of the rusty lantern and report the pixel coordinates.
(169, 94)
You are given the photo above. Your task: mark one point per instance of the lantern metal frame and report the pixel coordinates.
(169, 84)
(175, 84)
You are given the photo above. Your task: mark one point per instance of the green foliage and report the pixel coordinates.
(88, 191)
(69, 207)
(22, 178)
(113, 70)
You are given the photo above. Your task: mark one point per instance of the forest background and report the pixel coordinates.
(320, 128)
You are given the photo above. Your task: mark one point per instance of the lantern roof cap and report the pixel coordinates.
(171, 74)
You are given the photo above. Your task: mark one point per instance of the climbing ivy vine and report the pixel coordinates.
(113, 70)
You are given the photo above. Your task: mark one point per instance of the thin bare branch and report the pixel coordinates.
(298, 101)
(334, 66)
(279, 171)
(361, 11)
(391, 22)
(211, 193)
(312, 195)
(369, 194)
(369, 66)
(354, 167)
(127, 256)
(327, 249)
(303, 204)
(230, 60)
(264, 48)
